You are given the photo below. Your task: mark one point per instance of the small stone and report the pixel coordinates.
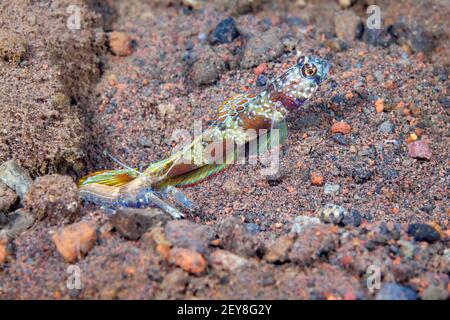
(361, 174)
(279, 249)
(231, 187)
(346, 25)
(223, 260)
(54, 197)
(262, 48)
(331, 213)
(187, 234)
(346, 3)
(207, 67)
(261, 81)
(13, 47)
(353, 218)
(260, 69)
(379, 105)
(303, 222)
(336, 45)
(316, 179)
(423, 232)
(340, 139)
(189, 260)
(133, 223)
(3, 250)
(311, 244)
(165, 109)
(252, 228)
(19, 221)
(75, 240)
(120, 43)
(331, 188)
(225, 32)
(7, 197)
(406, 248)
(394, 291)
(341, 127)
(175, 281)
(15, 177)
(386, 127)
(419, 149)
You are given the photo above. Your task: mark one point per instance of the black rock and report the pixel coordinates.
(261, 81)
(339, 138)
(444, 101)
(423, 232)
(395, 291)
(377, 37)
(353, 218)
(361, 174)
(224, 32)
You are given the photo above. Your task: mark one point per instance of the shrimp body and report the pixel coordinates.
(238, 122)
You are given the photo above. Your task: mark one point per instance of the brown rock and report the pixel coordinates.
(187, 234)
(188, 260)
(223, 260)
(120, 43)
(133, 223)
(7, 197)
(54, 197)
(163, 250)
(3, 251)
(379, 105)
(279, 249)
(316, 179)
(340, 127)
(346, 23)
(262, 48)
(419, 149)
(75, 240)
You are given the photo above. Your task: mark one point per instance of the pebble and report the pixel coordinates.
(7, 197)
(386, 127)
(423, 232)
(406, 248)
(225, 32)
(346, 25)
(353, 218)
(133, 223)
(346, 3)
(316, 179)
(262, 48)
(231, 187)
(341, 127)
(279, 249)
(379, 105)
(331, 188)
(419, 149)
(189, 260)
(340, 139)
(75, 240)
(252, 228)
(19, 221)
(187, 234)
(165, 109)
(303, 222)
(331, 213)
(120, 43)
(54, 197)
(3, 250)
(223, 260)
(361, 174)
(394, 291)
(15, 177)
(261, 81)
(207, 67)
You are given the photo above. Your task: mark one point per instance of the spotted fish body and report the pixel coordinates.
(237, 119)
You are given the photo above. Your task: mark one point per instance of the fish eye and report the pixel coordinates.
(309, 70)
